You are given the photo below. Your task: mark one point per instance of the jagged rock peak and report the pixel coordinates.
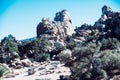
(63, 19)
(62, 16)
(106, 9)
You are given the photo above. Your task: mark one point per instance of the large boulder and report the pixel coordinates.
(26, 62)
(46, 27)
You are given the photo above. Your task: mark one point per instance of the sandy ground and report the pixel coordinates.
(40, 74)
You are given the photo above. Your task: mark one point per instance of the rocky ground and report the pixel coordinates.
(43, 71)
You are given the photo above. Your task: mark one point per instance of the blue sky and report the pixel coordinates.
(20, 17)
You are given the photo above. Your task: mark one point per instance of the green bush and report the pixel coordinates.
(9, 44)
(110, 59)
(110, 43)
(3, 71)
(82, 62)
(8, 47)
(42, 57)
(41, 47)
(65, 55)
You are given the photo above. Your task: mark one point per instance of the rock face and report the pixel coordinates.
(61, 27)
(64, 21)
(107, 11)
(115, 25)
(109, 22)
(46, 27)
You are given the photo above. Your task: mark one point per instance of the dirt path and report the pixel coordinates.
(50, 71)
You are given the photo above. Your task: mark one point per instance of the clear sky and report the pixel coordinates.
(20, 17)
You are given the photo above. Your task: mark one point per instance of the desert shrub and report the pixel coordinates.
(9, 44)
(25, 47)
(41, 47)
(110, 43)
(82, 62)
(104, 74)
(97, 70)
(59, 46)
(81, 52)
(65, 55)
(42, 57)
(3, 71)
(110, 60)
(8, 48)
(70, 42)
(89, 38)
(107, 61)
(86, 50)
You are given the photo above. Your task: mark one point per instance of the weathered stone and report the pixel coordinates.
(26, 62)
(109, 23)
(107, 11)
(46, 27)
(60, 28)
(115, 25)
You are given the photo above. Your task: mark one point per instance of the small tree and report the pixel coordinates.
(9, 44)
(9, 47)
(41, 47)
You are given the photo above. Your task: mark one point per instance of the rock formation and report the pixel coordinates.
(46, 27)
(64, 21)
(61, 27)
(115, 25)
(109, 22)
